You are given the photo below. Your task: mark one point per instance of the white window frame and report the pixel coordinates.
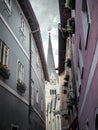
(42, 103)
(22, 25)
(20, 72)
(8, 4)
(16, 126)
(32, 93)
(86, 21)
(4, 53)
(37, 61)
(37, 96)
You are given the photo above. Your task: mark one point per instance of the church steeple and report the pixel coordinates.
(50, 59)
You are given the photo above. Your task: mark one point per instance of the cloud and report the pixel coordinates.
(47, 13)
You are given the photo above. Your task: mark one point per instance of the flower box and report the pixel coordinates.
(4, 71)
(70, 4)
(21, 87)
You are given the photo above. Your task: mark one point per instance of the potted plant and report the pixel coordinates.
(71, 25)
(4, 71)
(21, 87)
(70, 4)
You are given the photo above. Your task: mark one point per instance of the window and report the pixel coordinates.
(86, 21)
(8, 4)
(32, 93)
(52, 81)
(42, 104)
(22, 25)
(87, 125)
(37, 96)
(14, 127)
(4, 51)
(37, 61)
(81, 64)
(96, 122)
(52, 92)
(20, 72)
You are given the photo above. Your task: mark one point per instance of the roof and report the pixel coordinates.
(34, 25)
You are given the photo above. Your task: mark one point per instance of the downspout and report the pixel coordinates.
(30, 75)
(29, 113)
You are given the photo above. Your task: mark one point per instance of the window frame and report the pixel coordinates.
(42, 103)
(86, 23)
(8, 4)
(13, 125)
(37, 96)
(20, 75)
(4, 55)
(22, 25)
(32, 93)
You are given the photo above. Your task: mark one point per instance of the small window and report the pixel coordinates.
(42, 104)
(14, 127)
(22, 25)
(37, 95)
(32, 93)
(80, 62)
(20, 72)
(8, 4)
(55, 92)
(87, 125)
(86, 21)
(4, 52)
(37, 61)
(96, 122)
(52, 92)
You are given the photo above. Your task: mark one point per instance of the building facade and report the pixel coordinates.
(85, 60)
(86, 63)
(23, 68)
(66, 30)
(52, 91)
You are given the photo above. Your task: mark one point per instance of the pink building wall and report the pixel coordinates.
(88, 98)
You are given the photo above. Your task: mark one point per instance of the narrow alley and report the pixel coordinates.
(48, 65)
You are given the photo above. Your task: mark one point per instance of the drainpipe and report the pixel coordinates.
(30, 75)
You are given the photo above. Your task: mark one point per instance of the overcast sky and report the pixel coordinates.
(47, 13)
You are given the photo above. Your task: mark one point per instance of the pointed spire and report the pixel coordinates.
(50, 59)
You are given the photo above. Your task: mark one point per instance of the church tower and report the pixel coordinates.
(52, 89)
(50, 60)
